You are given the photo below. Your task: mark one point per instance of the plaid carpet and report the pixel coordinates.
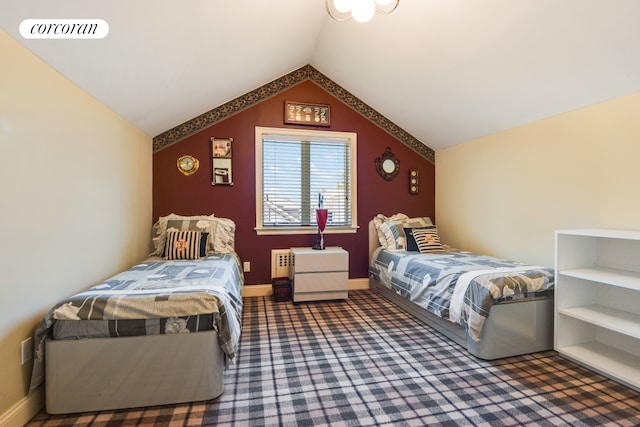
(364, 362)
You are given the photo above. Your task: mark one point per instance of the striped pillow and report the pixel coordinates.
(204, 225)
(204, 243)
(183, 245)
(412, 245)
(427, 240)
(181, 223)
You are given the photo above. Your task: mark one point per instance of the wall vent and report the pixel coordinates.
(281, 260)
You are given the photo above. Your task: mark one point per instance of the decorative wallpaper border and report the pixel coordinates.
(258, 95)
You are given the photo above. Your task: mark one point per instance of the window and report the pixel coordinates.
(295, 169)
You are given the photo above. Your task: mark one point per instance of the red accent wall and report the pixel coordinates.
(194, 195)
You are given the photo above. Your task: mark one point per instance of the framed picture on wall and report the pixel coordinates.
(221, 161)
(222, 147)
(301, 113)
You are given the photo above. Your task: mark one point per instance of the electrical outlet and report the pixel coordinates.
(246, 266)
(26, 350)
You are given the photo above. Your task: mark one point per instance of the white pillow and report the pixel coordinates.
(224, 240)
(379, 219)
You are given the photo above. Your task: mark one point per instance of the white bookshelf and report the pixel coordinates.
(597, 301)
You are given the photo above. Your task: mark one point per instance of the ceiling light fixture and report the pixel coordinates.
(360, 10)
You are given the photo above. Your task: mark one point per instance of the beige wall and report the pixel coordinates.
(506, 194)
(75, 199)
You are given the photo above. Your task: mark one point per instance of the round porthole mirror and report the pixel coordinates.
(387, 165)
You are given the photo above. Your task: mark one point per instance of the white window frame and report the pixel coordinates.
(303, 133)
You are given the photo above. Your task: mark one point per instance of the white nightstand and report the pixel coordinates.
(319, 274)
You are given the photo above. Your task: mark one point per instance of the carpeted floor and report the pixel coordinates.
(364, 362)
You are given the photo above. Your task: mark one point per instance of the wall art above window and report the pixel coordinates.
(300, 113)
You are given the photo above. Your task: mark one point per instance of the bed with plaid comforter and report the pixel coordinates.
(165, 296)
(460, 286)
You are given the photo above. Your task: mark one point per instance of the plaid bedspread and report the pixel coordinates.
(159, 289)
(460, 286)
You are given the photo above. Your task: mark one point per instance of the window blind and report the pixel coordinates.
(298, 172)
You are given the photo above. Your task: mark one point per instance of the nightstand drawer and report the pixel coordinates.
(321, 282)
(320, 296)
(321, 260)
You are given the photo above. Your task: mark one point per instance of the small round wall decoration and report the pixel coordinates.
(188, 165)
(387, 165)
(413, 181)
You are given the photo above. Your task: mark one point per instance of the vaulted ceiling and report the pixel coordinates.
(445, 71)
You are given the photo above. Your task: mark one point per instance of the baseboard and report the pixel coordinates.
(25, 409)
(257, 291)
(266, 290)
(357, 284)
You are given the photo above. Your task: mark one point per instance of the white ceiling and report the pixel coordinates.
(446, 71)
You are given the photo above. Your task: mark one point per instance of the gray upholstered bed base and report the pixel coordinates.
(112, 373)
(511, 329)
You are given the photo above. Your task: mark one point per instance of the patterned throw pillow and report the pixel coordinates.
(181, 223)
(393, 231)
(412, 245)
(224, 239)
(204, 237)
(379, 219)
(221, 232)
(183, 245)
(208, 225)
(428, 240)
